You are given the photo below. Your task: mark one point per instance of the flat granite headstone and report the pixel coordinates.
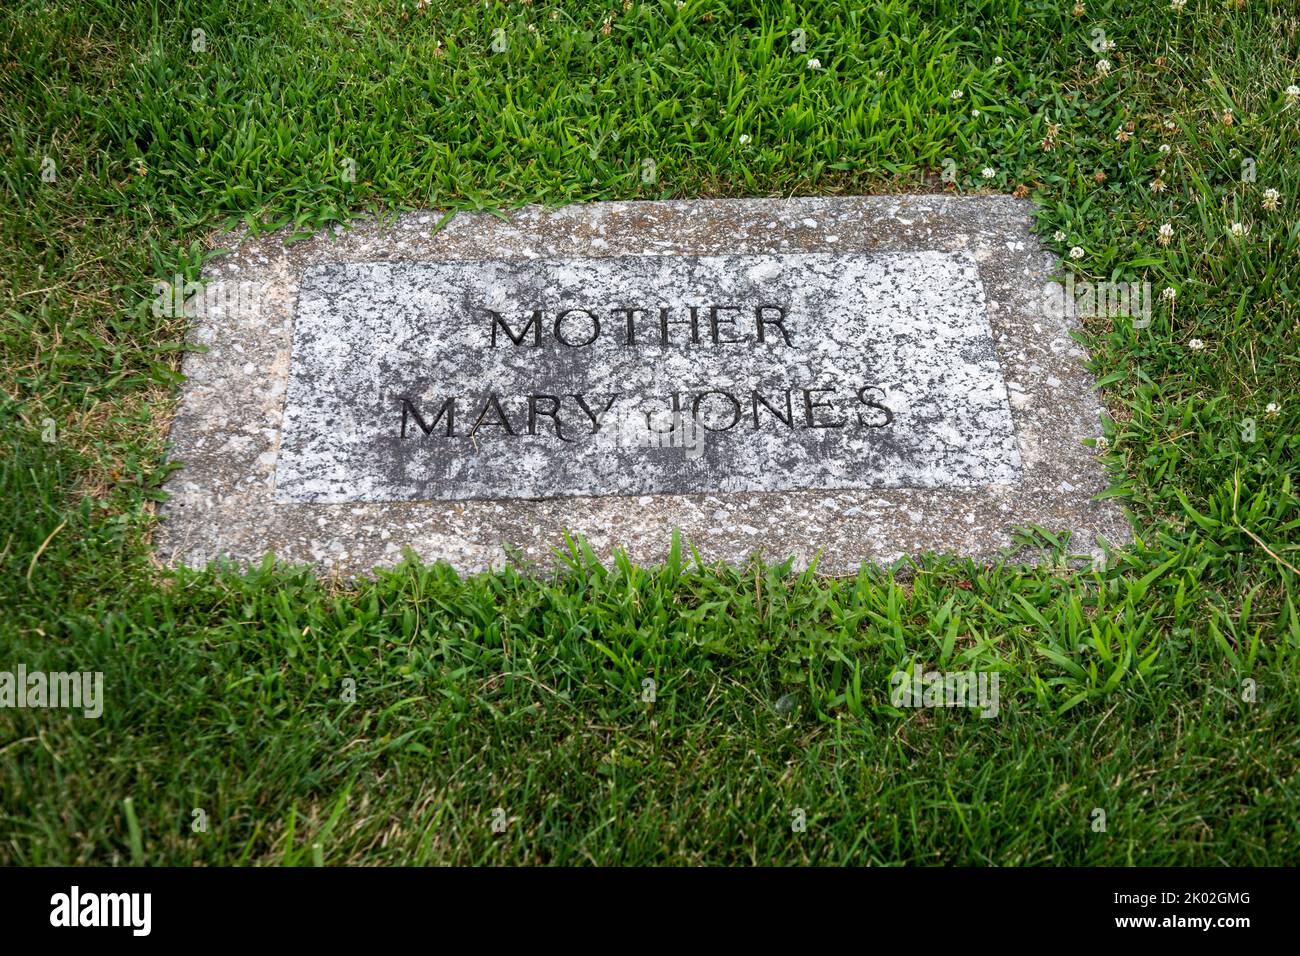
(858, 378)
(532, 379)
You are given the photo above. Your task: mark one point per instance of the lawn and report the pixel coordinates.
(1149, 705)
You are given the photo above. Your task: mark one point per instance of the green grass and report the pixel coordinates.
(1122, 689)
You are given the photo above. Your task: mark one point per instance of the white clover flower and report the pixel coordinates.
(1077, 252)
(997, 61)
(1239, 230)
(1195, 345)
(1177, 5)
(957, 94)
(988, 172)
(1292, 95)
(1103, 67)
(1271, 409)
(1165, 147)
(1122, 135)
(744, 138)
(1271, 199)
(1169, 293)
(1170, 124)
(1166, 233)
(975, 114)
(1059, 236)
(814, 64)
(1102, 442)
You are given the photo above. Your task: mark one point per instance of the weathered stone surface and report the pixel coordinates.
(247, 489)
(532, 379)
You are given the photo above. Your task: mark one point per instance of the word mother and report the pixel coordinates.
(579, 327)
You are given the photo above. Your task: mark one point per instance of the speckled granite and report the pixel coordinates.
(518, 379)
(933, 253)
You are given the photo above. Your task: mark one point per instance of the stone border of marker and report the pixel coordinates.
(227, 427)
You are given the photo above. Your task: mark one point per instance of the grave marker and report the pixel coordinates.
(642, 375)
(850, 378)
